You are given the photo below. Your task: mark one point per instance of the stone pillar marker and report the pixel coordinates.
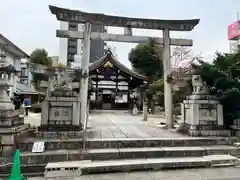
(145, 110)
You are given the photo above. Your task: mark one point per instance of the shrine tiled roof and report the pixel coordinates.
(108, 57)
(24, 89)
(11, 47)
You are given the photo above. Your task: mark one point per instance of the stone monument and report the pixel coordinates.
(61, 109)
(11, 125)
(202, 114)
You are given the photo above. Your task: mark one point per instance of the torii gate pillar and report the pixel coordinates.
(167, 68)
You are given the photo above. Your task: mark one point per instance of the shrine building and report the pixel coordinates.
(112, 84)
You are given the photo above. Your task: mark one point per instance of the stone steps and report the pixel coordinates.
(127, 165)
(125, 153)
(56, 144)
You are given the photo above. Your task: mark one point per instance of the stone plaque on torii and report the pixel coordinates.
(128, 23)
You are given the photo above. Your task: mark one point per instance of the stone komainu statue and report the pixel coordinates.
(199, 87)
(62, 80)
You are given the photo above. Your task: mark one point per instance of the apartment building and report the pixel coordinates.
(69, 48)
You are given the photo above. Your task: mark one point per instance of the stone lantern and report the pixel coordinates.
(7, 108)
(11, 125)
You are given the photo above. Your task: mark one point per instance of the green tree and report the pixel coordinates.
(39, 56)
(222, 78)
(146, 59)
(157, 88)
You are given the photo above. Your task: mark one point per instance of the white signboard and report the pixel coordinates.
(38, 147)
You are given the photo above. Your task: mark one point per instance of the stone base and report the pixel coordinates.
(61, 113)
(59, 131)
(221, 133)
(204, 130)
(60, 134)
(14, 130)
(10, 138)
(202, 115)
(10, 118)
(59, 128)
(201, 97)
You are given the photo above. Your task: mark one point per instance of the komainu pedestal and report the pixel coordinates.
(60, 114)
(202, 114)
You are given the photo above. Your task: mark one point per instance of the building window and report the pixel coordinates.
(24, 71)
(70, 54)
(72, 26)
(72, 46)
(72, 51)
(72, 43)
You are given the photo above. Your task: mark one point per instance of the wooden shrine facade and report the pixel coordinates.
(112, 84)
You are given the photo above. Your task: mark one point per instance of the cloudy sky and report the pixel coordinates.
(30, 25)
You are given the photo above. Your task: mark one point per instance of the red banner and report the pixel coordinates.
(233, 31)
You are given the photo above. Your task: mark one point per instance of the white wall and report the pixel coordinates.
(16, 63)
(29, 74)
(63, 43)
(55, 60)
(80, 41)
(234, 46)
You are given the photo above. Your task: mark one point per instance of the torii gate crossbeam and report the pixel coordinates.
(123, 38)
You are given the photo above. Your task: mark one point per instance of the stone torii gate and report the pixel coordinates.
(128, 23)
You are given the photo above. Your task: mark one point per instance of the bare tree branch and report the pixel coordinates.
(183, 56)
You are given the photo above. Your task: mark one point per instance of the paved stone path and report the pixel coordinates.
(33, 119)
(118, 125)
(110, 125)
(188, 174)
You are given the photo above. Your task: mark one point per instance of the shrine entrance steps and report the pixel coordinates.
(131, 154)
